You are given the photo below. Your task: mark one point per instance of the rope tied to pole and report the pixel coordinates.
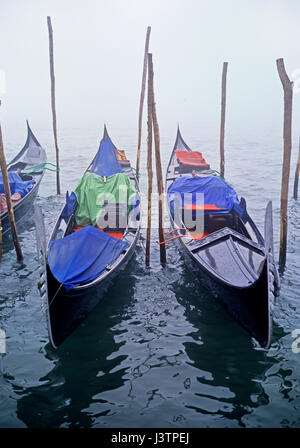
(174, 237)
(40, 167)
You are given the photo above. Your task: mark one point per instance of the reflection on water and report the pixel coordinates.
(159, 350)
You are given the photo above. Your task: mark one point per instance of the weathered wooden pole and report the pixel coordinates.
(287, 147)
(142, 101)
(160, 187)
(53, 101)
(223, 111)
(10, 209)
(149, 166)
(0, 228)
(296, 181)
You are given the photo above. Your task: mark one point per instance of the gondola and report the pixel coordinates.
(228, 253)
(84, 255)
(24, 187)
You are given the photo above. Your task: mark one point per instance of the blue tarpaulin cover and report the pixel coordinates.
(80, 257)
(216, 191)
(17, 185)
(106, 162)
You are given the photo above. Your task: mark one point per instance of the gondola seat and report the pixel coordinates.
(123, 161)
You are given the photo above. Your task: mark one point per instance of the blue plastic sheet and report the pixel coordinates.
(17, 185)
(216, 191)
(68, 208)
(106, 162)
(81, 257)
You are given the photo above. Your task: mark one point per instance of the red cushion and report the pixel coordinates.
(212, 207)
(115, 234)
(191, 158)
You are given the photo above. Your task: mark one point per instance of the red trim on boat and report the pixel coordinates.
(205, 207)
(115, 233)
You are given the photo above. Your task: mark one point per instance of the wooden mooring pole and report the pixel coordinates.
(53, 101)
(223, 111)
(149, 166)
(142, 102)
(0, 238)
(296, 181)
(287, 147)
(160, 187)
(10, 209)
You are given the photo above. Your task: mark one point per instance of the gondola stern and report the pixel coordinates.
(30, 136)
(105, 133)
(178, 136)
(179, 142)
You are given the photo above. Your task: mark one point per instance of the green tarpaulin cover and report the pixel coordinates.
(92, 193)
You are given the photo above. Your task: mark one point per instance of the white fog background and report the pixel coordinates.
(98, 50)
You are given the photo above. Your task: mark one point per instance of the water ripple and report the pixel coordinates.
(159, 351)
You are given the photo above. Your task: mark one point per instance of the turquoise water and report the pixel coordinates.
(159, 351)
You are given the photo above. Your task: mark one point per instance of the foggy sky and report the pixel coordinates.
(98, 49)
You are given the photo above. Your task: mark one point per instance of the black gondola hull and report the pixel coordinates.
(249, 306)
(236, 266)
(67, 310)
